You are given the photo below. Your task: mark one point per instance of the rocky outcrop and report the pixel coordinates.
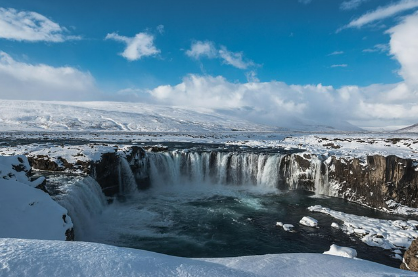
(376, 180)
(372, 180)
(106, 172)
(410, 260)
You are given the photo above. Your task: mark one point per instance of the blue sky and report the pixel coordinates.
(288, 40)
(297, 42)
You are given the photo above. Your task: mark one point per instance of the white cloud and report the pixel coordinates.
(336, 53)
(142, 45)
(351, 4)
(207, 49)
(283, 105)
(339, 65)
(43, 82)
(404, 47)
(234, 58)
(381, 48)
(30, 26)
(383, 12)
(200, 49)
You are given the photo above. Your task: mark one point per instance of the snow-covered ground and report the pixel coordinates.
(27, 212)
(53, 258)
(114, 116)
(387, 234)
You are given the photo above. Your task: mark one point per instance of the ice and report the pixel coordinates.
(346, 252)
(309, 221)
(335, 225)
(288, 227)
(387, 234)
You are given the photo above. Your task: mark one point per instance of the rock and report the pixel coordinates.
(410, 260)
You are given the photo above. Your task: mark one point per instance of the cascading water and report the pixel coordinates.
(268, 171)
(127, 183)
(221, 168)
(84, 201)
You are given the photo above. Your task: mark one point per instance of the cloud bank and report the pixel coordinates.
(43, 82)
(404, 47)
(30, 26)
(137, 47)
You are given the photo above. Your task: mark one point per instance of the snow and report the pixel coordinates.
(387, 234)
(20, 257)
(8, 165)
(397, 208)
(309, 221)
(335, 225)
(114, 116)
(346, 252)
(27, 212)
(354, 145)
(288, 227)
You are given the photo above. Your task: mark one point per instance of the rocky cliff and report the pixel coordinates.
(370, 180)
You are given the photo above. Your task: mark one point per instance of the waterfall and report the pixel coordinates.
(127, 183)
(83, 200)
(222, 168)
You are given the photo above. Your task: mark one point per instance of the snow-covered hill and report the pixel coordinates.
(115, 116)
(19, 115)
(409, 129)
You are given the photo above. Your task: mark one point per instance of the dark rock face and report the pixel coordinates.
(377, 180)
(106, 173)
(139, 166)
(410, 260)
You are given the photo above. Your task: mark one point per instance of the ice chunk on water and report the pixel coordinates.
(309, 221)
(288, 227)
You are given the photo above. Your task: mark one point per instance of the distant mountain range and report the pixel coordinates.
(410, 129)
(19, 115)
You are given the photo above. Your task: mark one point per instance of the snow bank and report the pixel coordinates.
(309, 221)
(27, 212)
(346, 252)
(16, 168)
(54, 258)
(387, 234)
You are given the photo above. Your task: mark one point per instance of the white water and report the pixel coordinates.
(216, 168)
(127, 183)
(84, 201)
(266, 171)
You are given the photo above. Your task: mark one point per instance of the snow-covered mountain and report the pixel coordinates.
(115, 116)
(409, 129)
(138, 117)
